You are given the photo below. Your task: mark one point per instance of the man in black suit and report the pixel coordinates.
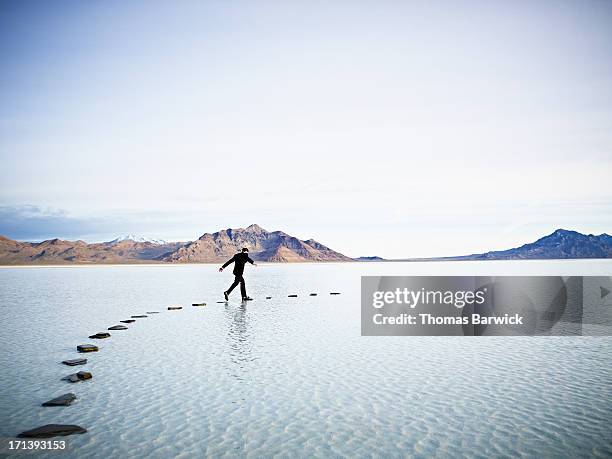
(239, 260)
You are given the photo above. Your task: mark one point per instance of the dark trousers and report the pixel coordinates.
(238, 280)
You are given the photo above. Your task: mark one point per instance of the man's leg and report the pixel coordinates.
(242, 287)
(234, 284)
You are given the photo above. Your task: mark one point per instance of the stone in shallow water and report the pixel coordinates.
(76, 377)
(292, 296)
(127, 321)
(173, 308)
(83, 375)
(87, 348)
(74, 362)
(198, 304)
(334, 293)
(52, 430)
(139, 317)
(72, 378)
(152, 312)
(313, 294)
(62, 400)
(100, 335)
(118, 327)
(268, 298)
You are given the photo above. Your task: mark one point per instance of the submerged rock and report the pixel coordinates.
(198, 304)
(313, 294)
(87, 348)
(100, 335)
(118, 327)
(292, 296)
(74, 362)
(152, 312)
(52, 430)
(268, 298)
(127, 321)
(139, 317)
(173, 308)
(62, 400)
(334, 293)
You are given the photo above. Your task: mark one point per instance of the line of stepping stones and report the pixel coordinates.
(53, 430)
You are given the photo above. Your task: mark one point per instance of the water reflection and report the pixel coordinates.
(239, 339)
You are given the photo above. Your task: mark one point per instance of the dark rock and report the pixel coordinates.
(83, 375)
(74, 362)
(100, 335)
(292, 296)
(118, 327)
(221, 301)
(127, 321)
(139, 317)
(334, 293)
(152, 312)
(76, 377)
(52, 430)
(173, 308)
(313, 294)
(198, 304)
(87, 348)
(62, 400)
(268, 298)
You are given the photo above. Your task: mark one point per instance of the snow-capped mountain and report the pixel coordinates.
(136, 238)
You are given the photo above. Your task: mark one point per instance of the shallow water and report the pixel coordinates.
(289, 377)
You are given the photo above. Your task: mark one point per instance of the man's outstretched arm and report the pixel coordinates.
(227, 263)
(251, 261)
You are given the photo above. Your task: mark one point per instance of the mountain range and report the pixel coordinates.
(275, 246)
(561, 244)
(270, 246)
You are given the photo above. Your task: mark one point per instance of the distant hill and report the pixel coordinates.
(273, 246)
(135, 238)
(561, 244)
(369, 259)
(57, 251)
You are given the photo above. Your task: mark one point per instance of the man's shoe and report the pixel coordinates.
(247, 298)
(226, 296)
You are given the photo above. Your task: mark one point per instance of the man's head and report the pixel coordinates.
(244, 249)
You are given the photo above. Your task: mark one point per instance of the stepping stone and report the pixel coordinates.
(118, 327)
(268, 298)
(74, 362)
(221, 301)
(174, 308)
(313, 294)
(152, 312)
(139, 317)
(100, 335)
(334, 293)
(52, 430)
(87, 348)
(76, 377)
(292, 296)
(198, 304)
(62, 400)
(83, 375)
(128, 321)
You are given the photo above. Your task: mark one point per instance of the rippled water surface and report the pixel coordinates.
(289, 377)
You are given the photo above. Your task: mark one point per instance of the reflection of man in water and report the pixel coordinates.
(239, 260)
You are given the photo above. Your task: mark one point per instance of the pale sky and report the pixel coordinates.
(390, 128)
